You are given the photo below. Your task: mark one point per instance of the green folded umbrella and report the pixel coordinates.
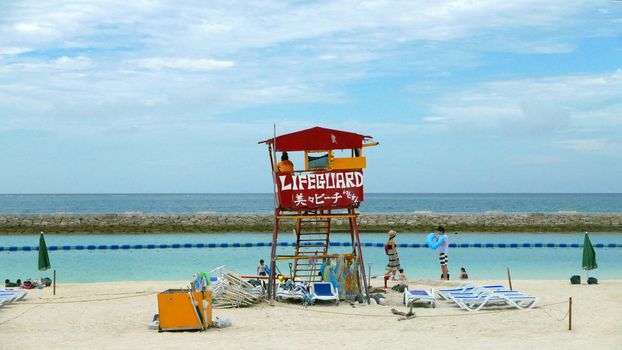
(44, 258)
(589, 255)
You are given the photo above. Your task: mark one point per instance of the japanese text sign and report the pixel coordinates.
(320, 189)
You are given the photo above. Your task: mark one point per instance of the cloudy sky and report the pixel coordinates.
(157, 96)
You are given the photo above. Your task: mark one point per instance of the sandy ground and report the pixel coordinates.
(115, 316)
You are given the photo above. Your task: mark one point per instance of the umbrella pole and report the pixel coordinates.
(54, 288)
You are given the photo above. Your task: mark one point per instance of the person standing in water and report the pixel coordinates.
(394, 259)
(262, 268)
(443, 249)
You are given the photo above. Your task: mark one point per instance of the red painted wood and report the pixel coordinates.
(326, 189)
(317, 139)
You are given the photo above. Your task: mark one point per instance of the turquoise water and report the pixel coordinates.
(262, 203)
(419, 263)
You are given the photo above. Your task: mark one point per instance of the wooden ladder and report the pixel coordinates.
(312, 239)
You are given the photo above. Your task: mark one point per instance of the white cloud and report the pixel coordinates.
(63, 63)
(588, 146)
(327, 57)
(118, 59)
(183, 64)
(230, 27)
(435, 119)
(13, 50)
(33, 28)
(537, 159)
(536, 107)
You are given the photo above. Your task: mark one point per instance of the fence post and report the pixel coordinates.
(510, 279)
(570, 313)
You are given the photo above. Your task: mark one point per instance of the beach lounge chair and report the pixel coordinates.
(5, 300)
(467, 288)
(291, 291)
(475, 303)
(419, 296)
(18, 294)
(324, 291)
(476, 292)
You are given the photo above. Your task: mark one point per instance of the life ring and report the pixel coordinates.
(434, 245)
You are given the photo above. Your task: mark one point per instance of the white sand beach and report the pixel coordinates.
(115, 316)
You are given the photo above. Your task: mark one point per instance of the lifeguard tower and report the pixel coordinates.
(330, 187)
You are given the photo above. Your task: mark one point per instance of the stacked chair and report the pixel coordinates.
(474, 298)
(8, 296)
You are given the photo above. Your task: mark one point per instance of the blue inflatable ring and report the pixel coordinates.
(434, 245)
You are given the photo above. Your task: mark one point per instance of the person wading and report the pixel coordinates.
(394, 259)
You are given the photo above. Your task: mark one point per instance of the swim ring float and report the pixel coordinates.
(434, 245)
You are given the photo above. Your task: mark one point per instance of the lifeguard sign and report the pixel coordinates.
(320, 189)
(327, 182)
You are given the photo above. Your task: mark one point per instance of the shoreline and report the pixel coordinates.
(218, 223)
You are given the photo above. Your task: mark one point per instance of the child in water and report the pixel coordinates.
(463, 274)
(261, 268)
(402, 277)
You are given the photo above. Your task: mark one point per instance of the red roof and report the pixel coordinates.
(316, 139)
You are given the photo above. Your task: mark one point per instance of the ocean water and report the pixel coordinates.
(419, 263)
(263, 203)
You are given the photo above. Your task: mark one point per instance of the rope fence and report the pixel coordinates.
(462, 314)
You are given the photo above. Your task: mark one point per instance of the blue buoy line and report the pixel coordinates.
(293, 244)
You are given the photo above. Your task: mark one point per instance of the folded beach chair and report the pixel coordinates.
(418, 296)
(324, 291)
(467, 288)
(475, 303)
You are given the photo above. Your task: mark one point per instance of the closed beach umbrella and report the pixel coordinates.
(589, 255)
(44, 259)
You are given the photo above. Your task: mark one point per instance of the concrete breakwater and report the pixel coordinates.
(417, 222)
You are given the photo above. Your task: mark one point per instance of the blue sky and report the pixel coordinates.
(156, 96)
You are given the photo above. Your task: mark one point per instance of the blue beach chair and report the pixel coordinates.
(324, 291)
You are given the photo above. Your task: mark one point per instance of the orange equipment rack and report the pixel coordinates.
(178, 313)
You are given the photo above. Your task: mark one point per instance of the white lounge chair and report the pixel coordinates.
(476, 292)
(8, 298)
(324, 291)
(475, 303)
(418, 296)
(17, 293)
(467, 288)
(5, 300)
(291, 291)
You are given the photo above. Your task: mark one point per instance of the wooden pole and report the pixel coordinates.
(54, 288)
(570, 313)
(369, 274)
(510, 278)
